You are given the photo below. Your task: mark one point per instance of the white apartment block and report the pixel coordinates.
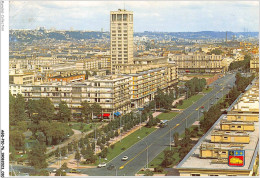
(111, 92)
(121, 37)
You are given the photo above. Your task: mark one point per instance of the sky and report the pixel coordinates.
(156, 16)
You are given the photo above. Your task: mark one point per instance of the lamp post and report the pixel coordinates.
(95, 138)
(120, 129)
(140, 112)
(170, 137)
(116, 170)
(146, 152)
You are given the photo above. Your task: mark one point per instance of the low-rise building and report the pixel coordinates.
(21, 79)
(68, 77)
(229, 137)
(237, 126)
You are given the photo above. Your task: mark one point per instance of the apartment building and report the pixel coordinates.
(254, 64)
(68, 77)
(146, 79)
(21, 78)
(209, 157)
(111, 92)
(121, 37)
(93, 63)
(197, 63)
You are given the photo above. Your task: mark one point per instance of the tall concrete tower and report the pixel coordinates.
(121, 37)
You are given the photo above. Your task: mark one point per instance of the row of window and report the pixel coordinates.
(120, 17)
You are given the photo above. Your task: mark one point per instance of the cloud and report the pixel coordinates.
(148, 15)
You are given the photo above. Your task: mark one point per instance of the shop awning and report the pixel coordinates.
(117, 113)
(104, 115)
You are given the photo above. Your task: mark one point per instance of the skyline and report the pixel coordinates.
(236, 16)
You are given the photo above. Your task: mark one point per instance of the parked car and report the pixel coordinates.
(54, 170)
(102, 165)
(124, 158)
(110, 167)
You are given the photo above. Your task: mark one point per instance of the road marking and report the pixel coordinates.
(134, 157)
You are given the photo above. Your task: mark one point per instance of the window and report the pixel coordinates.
(213, 175)
(232, 126)
(195, 174)
(113, 17)
(131, 17)
(125, 17)
(239, 126)
(225, 137)
(119, 17)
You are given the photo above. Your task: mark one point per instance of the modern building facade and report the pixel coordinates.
(197, 63)
(121, 37)
(146, 79)
(110, 92)
(254, 64)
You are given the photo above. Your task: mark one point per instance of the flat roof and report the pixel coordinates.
(193, 161)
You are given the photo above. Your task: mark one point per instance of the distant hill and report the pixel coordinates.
(30, 35)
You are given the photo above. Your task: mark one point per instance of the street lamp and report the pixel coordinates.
(140, 112)
(146, 152)
(170, 137)
(120, 129)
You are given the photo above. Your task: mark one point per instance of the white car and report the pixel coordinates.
(124, 158)
(54, 170)
(102, 165)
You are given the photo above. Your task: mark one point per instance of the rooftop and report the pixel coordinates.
(193, 161)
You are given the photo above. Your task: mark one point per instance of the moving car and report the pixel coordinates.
(163, 123)
(110, 167)
(124, 158)
(102, 165)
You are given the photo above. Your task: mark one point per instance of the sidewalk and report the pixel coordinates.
(75, 137)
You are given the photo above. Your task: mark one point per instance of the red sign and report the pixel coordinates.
(236, 157)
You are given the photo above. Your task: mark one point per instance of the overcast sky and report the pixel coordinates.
(167, 16)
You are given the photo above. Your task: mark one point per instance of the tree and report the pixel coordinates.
(37, 157)
(31, 107)
(168, 158)
(216, 52)
(17, 109)
(17, 139)
(86, 110)
(77, 157)
(12, 117)
(45, 110)
(64, 113)
(63, 151)
(176, 138)
(96, 108)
